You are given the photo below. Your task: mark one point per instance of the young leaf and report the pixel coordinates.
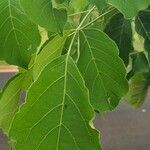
(19, 37)
(102, 69)
(9, 101)
(52, 50)
(119, 29)
(138, 89)
(129, 8)
(142, 23)
(43, 13)
(57, 108)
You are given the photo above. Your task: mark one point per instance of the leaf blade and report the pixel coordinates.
(119, 29)
(128, 8)
(9, 101)
(60, 108)
(142, 24)
(43, 13)
(52, 50)
(100, 66)
(138, 89)
(19, 36)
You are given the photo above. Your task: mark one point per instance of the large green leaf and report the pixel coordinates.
(52, 50)
(57, 112)
(129, 7)
(102, 69)
(9, 101)
(138, 90)
(142, 23)
(19, 37)
(43, 13)
(119, 29)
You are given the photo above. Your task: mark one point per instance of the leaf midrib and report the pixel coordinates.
(63, 101)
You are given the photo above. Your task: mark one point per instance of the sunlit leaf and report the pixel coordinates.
(19, 37)
(43, 13)
(52, 50)
(9, 101)
(79, 5)
(129, 8)
(57, 108)
(102, 69)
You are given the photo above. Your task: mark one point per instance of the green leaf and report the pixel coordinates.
(57, 108)
(3, 63)
(60, 1)
(129, 8)
(139, 64)
(79, 5)
(60, 19)
(119, 29)
(43, 13)
(101, 4)
(102, 69)
(52, 50)
(138, 89)
(19, 37)
(9, 101)
(142, 23)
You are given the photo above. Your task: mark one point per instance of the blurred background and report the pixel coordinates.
(124, 129)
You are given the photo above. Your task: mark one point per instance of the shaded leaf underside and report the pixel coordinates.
(119, 29)
(142, 23)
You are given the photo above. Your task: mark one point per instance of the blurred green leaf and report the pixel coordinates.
(129, 8)
(138, 89)
(79, 5)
